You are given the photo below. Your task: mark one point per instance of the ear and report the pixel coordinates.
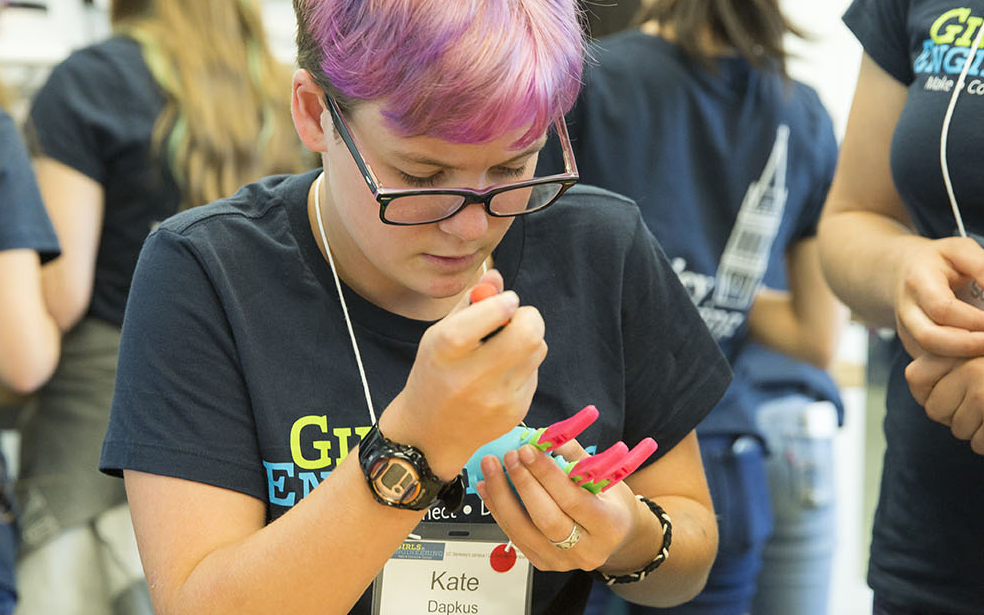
(307, 111)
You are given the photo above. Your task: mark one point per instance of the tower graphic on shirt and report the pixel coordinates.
(746, 255)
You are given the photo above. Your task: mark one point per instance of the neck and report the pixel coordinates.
(708, 43)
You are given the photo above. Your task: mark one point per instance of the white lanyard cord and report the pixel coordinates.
(946, 130)
(341, 297)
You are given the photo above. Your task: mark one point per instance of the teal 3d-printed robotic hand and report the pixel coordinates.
(595, 473)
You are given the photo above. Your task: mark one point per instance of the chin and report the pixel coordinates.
(445, 287)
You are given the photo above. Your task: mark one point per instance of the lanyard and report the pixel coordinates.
(341, 296)
(946, 131)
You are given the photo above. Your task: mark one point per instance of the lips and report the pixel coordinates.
(451, 262)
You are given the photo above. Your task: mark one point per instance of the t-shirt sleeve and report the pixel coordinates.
(816, 149)
(880, 26)
(181, 406)
(24, 223)
(75, 115)
(824, 145)
(675, 372)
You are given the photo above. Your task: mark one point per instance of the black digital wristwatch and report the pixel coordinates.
(398, 476)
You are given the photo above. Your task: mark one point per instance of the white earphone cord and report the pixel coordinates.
(946, 131)
(341, 297)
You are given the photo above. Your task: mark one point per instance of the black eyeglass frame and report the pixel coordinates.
(384, 196)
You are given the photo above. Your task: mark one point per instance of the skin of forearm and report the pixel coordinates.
(324, 553)
(28, 333)
(806, 330)
(31, 366)
(67, 298)
(861, 253)
(685, 571)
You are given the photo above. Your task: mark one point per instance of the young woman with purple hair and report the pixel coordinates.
(266, 333)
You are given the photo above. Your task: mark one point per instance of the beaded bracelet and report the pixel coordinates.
(664, 551)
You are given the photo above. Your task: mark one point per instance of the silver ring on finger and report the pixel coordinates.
(571, 540)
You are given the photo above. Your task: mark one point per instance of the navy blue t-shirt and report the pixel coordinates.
(236, 367)
(927, 548)
(23, 220)
(728, 166)
(96, 114)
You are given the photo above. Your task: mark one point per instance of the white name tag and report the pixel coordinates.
(454, 569)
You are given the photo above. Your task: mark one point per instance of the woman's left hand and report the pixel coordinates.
(550, 506)
(952, 392)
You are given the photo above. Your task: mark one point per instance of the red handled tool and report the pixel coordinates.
(481, 292)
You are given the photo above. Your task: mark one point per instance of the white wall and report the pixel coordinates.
(31, 41)
(829, 60)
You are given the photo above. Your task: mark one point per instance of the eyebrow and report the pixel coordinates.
(427, 161)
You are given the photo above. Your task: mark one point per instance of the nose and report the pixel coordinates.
(469, 224)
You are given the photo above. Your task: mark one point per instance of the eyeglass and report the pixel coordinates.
(407, 207)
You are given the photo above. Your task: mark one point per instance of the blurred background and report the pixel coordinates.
(36, 35)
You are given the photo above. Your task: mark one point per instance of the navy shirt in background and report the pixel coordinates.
(96, 114)
(686, 143)
(23, 220)
(927, 548)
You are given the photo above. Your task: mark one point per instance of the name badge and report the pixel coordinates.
(454, 568)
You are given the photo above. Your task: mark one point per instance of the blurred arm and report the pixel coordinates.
(805, 321)
(29, 336)
(75, 206)
(865, 231)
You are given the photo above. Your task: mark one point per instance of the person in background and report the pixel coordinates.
(294, 355)
(29, 337)
(693, 116)
(608, 18)
(179, 107)
(898, 246)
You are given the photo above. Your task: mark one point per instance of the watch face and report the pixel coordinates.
(395, 480)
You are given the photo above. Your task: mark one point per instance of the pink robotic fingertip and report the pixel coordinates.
(600, 465)
(564, 431)
(639, 453)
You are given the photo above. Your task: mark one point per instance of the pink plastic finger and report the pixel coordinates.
(600, 465)
(639, 453)
(564, 431)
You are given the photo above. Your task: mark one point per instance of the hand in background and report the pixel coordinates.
(952, 392)
(929, 316)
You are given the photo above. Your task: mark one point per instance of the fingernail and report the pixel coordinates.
(490, 465)
(526, 454)
(511, 458)
(509, 299)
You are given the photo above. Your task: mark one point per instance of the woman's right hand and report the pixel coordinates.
(929, 316)
(463, 392)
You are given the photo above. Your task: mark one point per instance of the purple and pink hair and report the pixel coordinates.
(466, 71)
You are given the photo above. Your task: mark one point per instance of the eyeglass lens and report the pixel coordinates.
(433, 207)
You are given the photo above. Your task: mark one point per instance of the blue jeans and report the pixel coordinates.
(8, 600)
(797, 560)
